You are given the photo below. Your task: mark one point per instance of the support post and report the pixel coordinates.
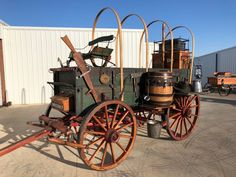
(2, 76)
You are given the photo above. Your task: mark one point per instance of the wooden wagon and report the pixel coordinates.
(223, 81)
(102, 107)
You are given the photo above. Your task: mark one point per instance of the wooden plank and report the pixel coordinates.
(227, 80)
(2, 75)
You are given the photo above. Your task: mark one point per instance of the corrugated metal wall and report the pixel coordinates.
(221, 61)
(208, 63)
(227, 60)
(1, 31)
(30, 51)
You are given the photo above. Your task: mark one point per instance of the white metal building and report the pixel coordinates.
(29, 52)
(220, 61)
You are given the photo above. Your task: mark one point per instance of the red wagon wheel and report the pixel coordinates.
(182, 118)
(108, 133)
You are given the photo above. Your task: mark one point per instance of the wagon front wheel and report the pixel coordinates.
(183, 116)
(108, 133)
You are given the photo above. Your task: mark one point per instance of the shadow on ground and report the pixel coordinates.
(219, 100)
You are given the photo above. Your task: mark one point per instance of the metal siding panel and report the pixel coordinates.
(227, 60)
(151, 50)
(30, 52)
(1, 31)
(208, 63)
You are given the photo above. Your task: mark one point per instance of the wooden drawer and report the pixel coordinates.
(62, 103)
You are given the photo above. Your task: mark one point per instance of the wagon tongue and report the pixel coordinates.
(24, 141)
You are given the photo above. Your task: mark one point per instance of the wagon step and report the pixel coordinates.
(29, 139)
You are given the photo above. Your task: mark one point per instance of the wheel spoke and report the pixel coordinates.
(114, 118)
(185, 126)
(190, 122)
(112, 153)
(122, 118)
(182, 101)
(190, 101)
(177, 109)
(193, 106)
(106, 115)
(178, 103)
(172, 117)
(59, 135)
(75, 129)
(149, 115)
(95, 133)
(193, 115)
(125, 126)
(121, 146)
(98, 149)
(94, 142)
(68, 135)
(125, 136)
(144, 114)
(176, 128)
(98, 121)
(181, 121)
(175, 121)
(104, 155)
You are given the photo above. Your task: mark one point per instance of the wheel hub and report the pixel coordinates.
(112, 136)
(186, 112)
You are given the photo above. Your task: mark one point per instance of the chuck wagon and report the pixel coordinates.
(102, 106)
(223, 81)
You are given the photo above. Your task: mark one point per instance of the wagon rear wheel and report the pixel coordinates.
(224, 90)
(108, 133)
(183, 116)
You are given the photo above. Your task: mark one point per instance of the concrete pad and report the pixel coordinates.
(209, 152)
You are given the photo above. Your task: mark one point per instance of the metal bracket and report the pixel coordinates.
(82, 75)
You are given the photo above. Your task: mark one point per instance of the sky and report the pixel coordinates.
(212, 21)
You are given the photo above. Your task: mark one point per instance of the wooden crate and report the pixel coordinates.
(181, 60)
(157, 60)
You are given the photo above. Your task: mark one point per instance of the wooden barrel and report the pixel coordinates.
(159, 88)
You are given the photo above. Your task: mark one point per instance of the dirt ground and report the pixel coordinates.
(209, 152)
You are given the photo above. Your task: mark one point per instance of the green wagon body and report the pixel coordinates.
(69, 82)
